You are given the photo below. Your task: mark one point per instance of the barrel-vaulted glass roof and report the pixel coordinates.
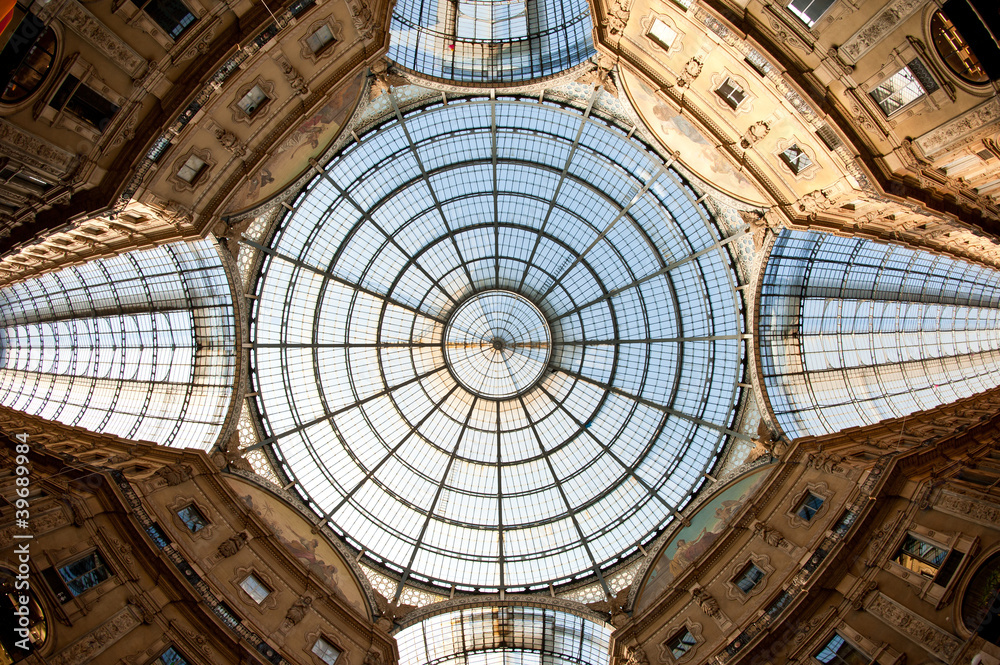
(140, 345)
(490, 41)
(497, 344)
(854, 331)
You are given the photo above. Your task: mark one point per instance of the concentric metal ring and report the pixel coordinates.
(497, 344)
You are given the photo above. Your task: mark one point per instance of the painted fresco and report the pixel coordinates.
(697, 153)
(689, 543)
(311, 549)
(309, 140)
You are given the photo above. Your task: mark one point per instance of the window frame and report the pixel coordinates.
(740, 568)
(805, 504)
(158, 660)
(336, 30)
(839, 660)
(328, 643)
(802, 15)
(913, 79)
(257, 585)
(735, 88)
(142, 6)
(932, 589)
(266, 87)
(102, 565)
(192, 505)
(60, 113)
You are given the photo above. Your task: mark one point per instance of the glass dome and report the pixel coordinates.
(497, 344)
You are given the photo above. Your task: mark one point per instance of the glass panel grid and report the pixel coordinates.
(141, 345)
(853, 331)
(367, 364)
(487, 41)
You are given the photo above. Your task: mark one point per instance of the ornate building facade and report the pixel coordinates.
(623, 332)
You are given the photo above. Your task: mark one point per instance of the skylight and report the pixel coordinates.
(497, 344)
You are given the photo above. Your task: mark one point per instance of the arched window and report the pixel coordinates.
(981, 602)
(27, 59)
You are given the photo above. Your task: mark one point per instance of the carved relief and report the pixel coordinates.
(986, 114)
(754, 133)
(297, 611)
(87, 648)
(825, 462)
(618, 15)
(174, 474)
(706, 602)
(770, 536)
(914, 627)
(34, 151)
(230, 142)
(692, 68)
(361, 13)
(877, 27)
(199, 46)
(976, 510)
(232, 545)
(75, 17)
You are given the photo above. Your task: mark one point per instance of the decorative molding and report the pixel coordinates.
(693, 627)
(75, 17)
(85, 649)
(34, 151)
(822, 490)
(973, 509)
(763, 564)
(986, 114)
(914, 627)
(877, 27)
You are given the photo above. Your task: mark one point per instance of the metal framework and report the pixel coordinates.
(490, 41)
(854, 331)
(505, 636)
(485, 490)
(142, 345)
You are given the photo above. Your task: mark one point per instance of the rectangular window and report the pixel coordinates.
(83, 102)
(252, 100)
(748, 578)
(796, 159)
(170, 657)
(320, 39)
(903, 88)
(662, 34)
(809, 506)
(189, 172)
(326, 651)
(171, 15)
(85, 573)
(190, 515)
(255, 588)
(809, 11)
(731, 93)
(920, 556)
(840, 652)
(681, 643)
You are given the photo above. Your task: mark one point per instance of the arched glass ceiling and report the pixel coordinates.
(505, 636)
(853, 331)
(142, 345)
(584, 438)
(490, 41)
